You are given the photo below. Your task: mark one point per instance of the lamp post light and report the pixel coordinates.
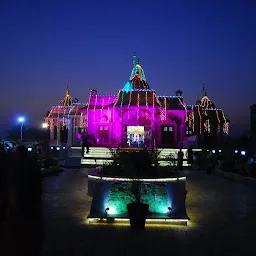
(44, 125)
(21, 120)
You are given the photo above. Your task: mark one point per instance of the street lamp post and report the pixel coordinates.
(21, 121)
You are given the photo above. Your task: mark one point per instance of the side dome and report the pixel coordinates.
(207, 103)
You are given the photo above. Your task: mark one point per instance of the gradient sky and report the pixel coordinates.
(179, 43)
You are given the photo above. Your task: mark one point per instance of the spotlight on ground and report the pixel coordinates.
(243, 153)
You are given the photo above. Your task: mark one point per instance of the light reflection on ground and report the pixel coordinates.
(222, 220)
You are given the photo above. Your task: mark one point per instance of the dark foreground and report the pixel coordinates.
(222, 222)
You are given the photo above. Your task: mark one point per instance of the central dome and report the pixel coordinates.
(137, 80)
(138, 71)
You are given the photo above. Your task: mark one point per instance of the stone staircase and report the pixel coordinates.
(100, 155)
(97, 156)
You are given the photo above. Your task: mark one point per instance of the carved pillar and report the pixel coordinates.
(153, 134)
(58, 135)
(73, 124)
(69, 141)
(51, 131)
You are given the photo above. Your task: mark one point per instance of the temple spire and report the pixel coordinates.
(203, 89)
(134, 59)
(67, 88)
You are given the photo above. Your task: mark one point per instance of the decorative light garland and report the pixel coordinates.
(164, 108)
(206, 123)
(109, 118)
(129, 103)
(94, 110)
(193, 121)
(88, 105)
(138, 105)
(121, 105)
(217, 114)
(147, 105)
(153, 105)
(115, 104)
(58, 111)
(75, 117)
(185, 107)
(200, 116)
(82, 120)
(206, 102)
(190, 120)
(101, 110)
(71, 110)
(226, 125)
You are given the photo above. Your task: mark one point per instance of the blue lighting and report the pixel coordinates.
(128, 87)
(21, 119)
(58, 148)
(64, 147)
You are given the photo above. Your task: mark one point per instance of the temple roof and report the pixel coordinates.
(172, 102)
(137, 97)
(67, 101)
(148, 98)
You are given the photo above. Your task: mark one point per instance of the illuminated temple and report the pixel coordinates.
(137, 117)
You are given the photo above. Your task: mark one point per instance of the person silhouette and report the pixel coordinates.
(85, 143)
(180, 160)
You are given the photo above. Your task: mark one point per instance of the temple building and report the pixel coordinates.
(137, 117)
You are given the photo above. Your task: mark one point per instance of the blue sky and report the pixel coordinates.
(180, 43)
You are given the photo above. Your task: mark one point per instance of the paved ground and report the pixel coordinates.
(222, 222)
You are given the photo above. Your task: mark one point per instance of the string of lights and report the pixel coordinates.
(138, 105)
(87, 111)
(101, 110)
(164, 108)
(94, 110)
(218, 119)
(200, 119)
(121, 106)
(146, 105)
(109, 117)
(129, 103)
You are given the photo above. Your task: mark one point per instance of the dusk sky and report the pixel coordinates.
(179, 43)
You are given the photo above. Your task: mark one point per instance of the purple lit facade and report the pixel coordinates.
(137, 117)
